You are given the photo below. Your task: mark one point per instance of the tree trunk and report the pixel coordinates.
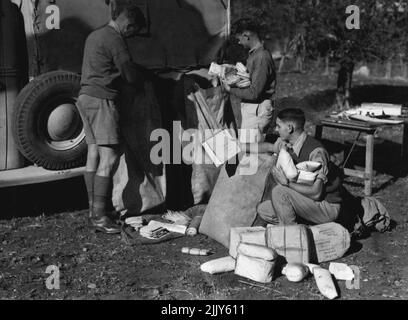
(375, 71)
(300, 64)
(405, 71)
(318, 62)
(388, 69)
(282, 63)
(402, 66)
(326, 66)
(285, 50)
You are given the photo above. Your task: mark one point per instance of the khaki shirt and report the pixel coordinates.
(262, 72)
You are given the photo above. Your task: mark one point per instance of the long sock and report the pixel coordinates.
(89, 177)
(102, 190)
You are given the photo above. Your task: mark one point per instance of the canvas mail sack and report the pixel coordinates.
(138, 184)
(234, 199)
(204, 173)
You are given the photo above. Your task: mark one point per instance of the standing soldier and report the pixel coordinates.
(258, 100)
(107, 66)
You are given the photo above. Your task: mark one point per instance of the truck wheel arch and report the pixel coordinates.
(47, 126)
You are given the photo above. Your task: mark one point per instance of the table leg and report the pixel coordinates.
(318, 132)
(368, 183)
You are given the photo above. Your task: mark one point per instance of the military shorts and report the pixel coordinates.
(101, 120)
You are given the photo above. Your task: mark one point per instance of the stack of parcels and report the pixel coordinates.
(303, 244)
(234, 76)
(303, 172)
(254, 250)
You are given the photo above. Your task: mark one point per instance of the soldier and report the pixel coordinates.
(258, 100)
(317, 203)
(107, 66)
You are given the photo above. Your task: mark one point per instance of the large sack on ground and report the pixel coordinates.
(234, 199)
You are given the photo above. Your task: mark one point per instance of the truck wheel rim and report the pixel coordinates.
(60, 124)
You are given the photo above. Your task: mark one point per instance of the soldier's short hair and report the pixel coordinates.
(246, 24)
(295, 115)
(133, 10)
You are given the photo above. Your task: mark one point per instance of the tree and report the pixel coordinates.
(383, 36)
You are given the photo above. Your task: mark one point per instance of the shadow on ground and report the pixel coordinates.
(44, 198)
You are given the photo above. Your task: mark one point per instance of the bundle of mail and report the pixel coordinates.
(177, 217)
(174, 222)
(156, 230)
(236, 76)
(303, 172)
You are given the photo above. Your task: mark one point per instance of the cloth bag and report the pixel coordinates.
(235, 197)
(204, 172)
(375, 215)
(138, 184)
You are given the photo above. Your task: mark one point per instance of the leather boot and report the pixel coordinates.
(105, 224)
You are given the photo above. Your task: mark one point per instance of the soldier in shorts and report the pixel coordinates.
(107, 66)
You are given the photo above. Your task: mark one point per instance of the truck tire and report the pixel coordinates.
(47, 125)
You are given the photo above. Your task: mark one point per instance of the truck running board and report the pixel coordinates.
(33, 174)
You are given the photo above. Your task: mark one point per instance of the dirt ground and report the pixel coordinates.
(98, 266)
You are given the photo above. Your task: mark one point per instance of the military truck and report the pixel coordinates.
(41, 48)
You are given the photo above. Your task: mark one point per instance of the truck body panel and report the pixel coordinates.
(180, 33)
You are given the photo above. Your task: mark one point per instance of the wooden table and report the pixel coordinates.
(369, 129)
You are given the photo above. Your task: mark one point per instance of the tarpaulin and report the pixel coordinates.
(180, 33)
